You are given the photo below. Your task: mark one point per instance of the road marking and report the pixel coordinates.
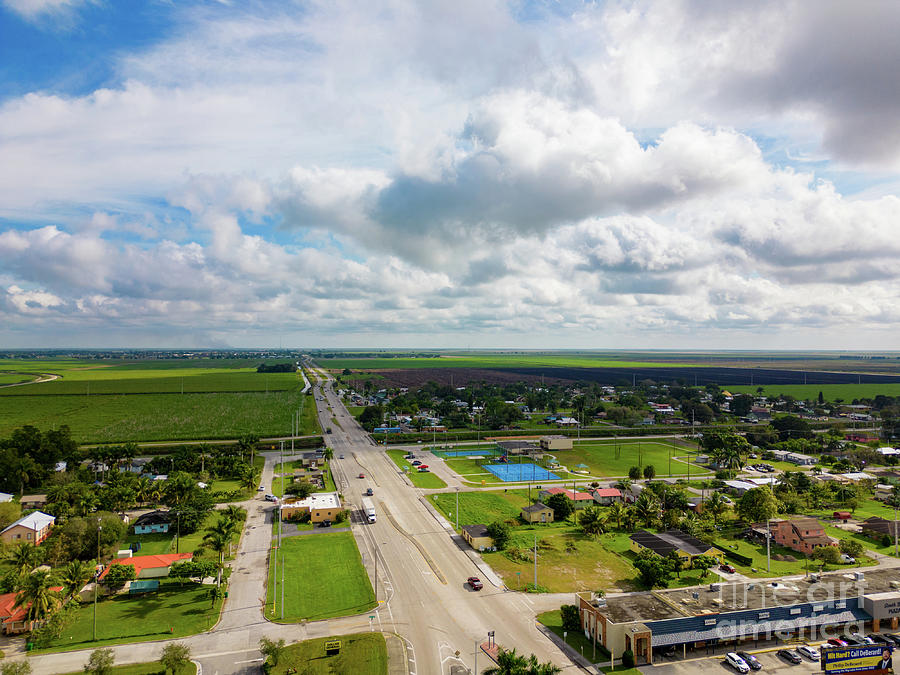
(249, 661)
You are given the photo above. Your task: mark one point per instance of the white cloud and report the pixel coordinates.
(35, 9)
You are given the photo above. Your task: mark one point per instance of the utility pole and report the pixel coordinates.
(282, 584)
(769, 544)
(535, 563)
(97, 578)
(896, 541)
(457, 508)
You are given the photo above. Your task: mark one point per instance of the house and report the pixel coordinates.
(883, 492)
(566, 422)
(579, 499)
(5, 497)
(537, 513)
(739, 487)
(32, 529)
(12, 618)
(155, 521)
(665, 543)
(477, 536)
(33, 501)
(149, 566)
(800, 534)
(321, 506)
(311, 459)
(606, 496)
(556, 443)
(888, 452)
(877, 527)
(858, 476)
(137, 465)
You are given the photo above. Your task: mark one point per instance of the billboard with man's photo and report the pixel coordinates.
(864, 660)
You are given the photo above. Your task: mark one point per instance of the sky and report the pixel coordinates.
(467, 174)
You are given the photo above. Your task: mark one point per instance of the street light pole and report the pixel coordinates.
(97, 578)
(535, 563)
(457, 508)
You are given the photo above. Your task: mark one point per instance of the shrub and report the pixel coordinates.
(342, 516)
(628, 659)
(570, 618)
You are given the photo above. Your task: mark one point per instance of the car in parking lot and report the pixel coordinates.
(736, 662)
(750, 660)
(725, 567)
(837, 642)
(790, 655)
(416, 462)
(893, 637)
(809, 652)
(341, 456)
(475, 583)
(862, 639)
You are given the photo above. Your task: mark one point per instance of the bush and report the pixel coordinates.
(117, 575)
(100, 662)
(570, 619)
(500, 533)
(887, 540)
(531, 588)
(628, 659)
(342, 516)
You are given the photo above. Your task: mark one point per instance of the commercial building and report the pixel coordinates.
(556, 443)
(477, 536)
(725, 617)
(321, 506)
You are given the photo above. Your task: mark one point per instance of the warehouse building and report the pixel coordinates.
(725, 617)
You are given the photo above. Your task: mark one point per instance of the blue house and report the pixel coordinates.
(155, 521)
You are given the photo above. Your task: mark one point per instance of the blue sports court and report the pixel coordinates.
(520, 472)
(468, 453)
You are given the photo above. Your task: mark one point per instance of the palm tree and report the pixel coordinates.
(508, 663)
(624, 484)
(617, 513)
(247, 476)
(24, 557)
(592, 520)
(36, 593)
(646, 508)
(218, 538)
(328, 453)
(716, 506)
(75, 575)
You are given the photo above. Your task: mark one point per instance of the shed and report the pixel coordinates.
(477, 536)
(842, 515)
(537, 513)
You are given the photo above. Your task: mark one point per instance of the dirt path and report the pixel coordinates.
(46, 377)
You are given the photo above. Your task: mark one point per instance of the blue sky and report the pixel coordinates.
(643, 174)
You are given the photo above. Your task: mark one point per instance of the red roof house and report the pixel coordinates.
(12, 618)
(607, 496)
(149, 566)
(580, 499)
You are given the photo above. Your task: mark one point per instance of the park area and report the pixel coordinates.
(154, 400)
(323, 578)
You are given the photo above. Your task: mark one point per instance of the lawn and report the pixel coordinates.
(846, 392)
(154, 417)
(153, 668)
(275, 488)
(175, 611)
(595, 653)
(481, 507)
(360, 654)
(424, 480)
(15, 378)
(600, 456)
(324, 577)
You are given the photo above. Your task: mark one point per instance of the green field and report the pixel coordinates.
(324, 578)
(481, 507)
(175, 611)
(600, 456)
(155, 417)
(153, 668)
(424, 480)
(831, 392)
(360, 654)
(489, 361)
(593, 652)
(13, 378)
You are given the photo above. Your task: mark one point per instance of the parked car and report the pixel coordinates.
(325, 523)
(881, 639)
(416, 462)
(848, 559)
(261, 488)
(271, 498)
(750, 660)
(837, 642)
(809, 652)
(790, 655)
(862, 639)
(736, 662)
(725, 567)
(893, 637)
(341, 456)
(668, 650)
(475, 583)
(362, 475)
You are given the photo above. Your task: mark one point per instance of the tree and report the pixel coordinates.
(617, 512)
(272, 650)
(100, 662)
(592, 520)
(75, 575)
(649, 472)
(117, 575)
(704, 563)
(24, 557)
(653, 570)
(716, 506)
(757, 505)
(302, 488)
(218, 538)
(561, 505)
(499, 532)
(570, 618)
(646, 507)
(10, 512)
(35, 593)
(15, 668)
(676, 562)
(789, 426)
(829, 555)
(634, 473)
(175, 656)
(851, 547)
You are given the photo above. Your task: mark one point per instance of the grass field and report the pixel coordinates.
(489, 361)
(482, 507)
(426, 481)
(831, 392)
(175, 611)
(594, 653)
(13, 378)
(158, 543)
(153, 668)
(600, 456)
(324, 578)
(360, 654)
(155, 417)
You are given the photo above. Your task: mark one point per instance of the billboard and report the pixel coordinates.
(864, 660)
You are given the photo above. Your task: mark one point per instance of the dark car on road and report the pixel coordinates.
(725, 567)
(475, 583)
(790, 655)
(750, 660)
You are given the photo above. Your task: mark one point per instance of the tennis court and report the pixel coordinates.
(520, 472)
(467, 453)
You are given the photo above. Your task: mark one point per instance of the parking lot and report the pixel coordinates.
(715, 665)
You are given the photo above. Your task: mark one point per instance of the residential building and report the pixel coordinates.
(12, 618)
(5, 497)
(681, 544)
(877, 527)
(31, 529)
(579, 499)
(537, 513)
(155, 521)
(800, 534)
(607, 496)
(321, 506)
(883, 492)
(33, 501)
(478, 537)
(149, 566)
(556, 443)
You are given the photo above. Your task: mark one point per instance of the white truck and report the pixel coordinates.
(368, 509)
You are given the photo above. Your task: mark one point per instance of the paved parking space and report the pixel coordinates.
(715, 665)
